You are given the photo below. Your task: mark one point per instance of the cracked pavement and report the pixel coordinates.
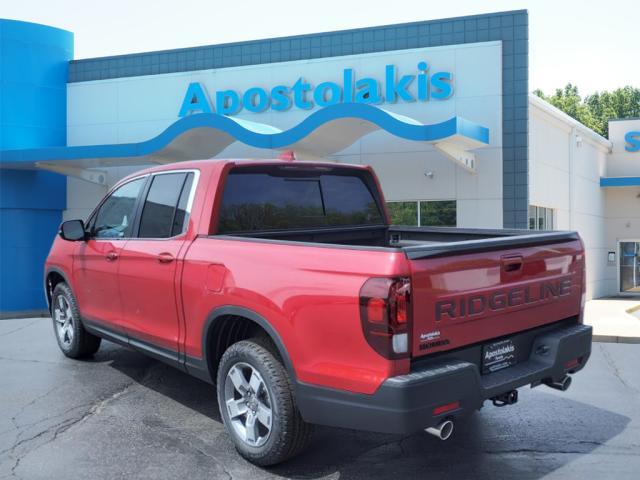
(123, 415)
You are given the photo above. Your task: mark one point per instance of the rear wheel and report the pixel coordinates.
(257, 404)
(73, 339)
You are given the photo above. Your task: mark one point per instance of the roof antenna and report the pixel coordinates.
(288, 156)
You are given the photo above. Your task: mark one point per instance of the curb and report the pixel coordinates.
(615, 339)
(27, 314)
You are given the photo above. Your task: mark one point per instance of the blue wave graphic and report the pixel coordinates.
(260, 135)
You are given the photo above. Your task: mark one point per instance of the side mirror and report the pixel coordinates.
(73, 231)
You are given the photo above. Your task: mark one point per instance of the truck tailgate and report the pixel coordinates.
(465, 296)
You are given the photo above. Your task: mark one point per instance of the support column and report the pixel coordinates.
(33, 99)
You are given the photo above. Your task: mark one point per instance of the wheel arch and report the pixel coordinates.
(53, 276)
(210, 355)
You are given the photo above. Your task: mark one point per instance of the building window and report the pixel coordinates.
(423, 213)
(403, 213)
(438, 213)
(541, 218)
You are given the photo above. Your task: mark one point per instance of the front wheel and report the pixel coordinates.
(257, 405)
(73, 339)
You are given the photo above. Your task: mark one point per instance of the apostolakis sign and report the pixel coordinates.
(422, 86)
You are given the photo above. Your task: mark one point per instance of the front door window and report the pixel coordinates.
(630, 267)
(115, 216)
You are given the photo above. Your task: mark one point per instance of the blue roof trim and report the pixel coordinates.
(276, 140)
(620, 181)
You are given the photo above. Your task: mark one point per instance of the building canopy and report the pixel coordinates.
(205, 135)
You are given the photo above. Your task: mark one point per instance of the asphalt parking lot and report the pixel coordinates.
(122, 415)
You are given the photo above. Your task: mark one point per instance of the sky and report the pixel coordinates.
(592, 44)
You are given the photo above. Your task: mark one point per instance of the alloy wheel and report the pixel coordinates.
(248, 403)
(64, 321)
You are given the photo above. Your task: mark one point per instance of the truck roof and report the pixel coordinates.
(220, 163)
(213, 163)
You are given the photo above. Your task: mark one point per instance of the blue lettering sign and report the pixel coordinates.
(421, 86)
(227, 102)
(397, 88)
(632, 140)
(299, 94)
(280, 100)
(195, 100)
(256, 100)
(327, 93)
(441, 85)
(423, 93)
(368, 91)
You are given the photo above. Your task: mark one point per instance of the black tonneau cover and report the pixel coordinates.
(438, 241)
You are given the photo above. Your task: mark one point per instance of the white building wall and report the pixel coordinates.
(566, 161)
(139, 108)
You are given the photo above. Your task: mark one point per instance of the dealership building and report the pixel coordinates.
(441, 109)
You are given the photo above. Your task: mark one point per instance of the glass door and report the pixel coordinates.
(630, 267)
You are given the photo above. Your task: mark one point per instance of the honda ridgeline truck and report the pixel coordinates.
(284, 284)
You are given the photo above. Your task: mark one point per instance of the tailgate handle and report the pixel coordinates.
(512, 263)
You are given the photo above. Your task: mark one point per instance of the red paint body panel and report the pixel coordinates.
(149, 290)
(94, 269)
(309, 293)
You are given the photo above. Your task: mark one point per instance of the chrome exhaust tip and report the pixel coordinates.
(443, 430)
(563, 385)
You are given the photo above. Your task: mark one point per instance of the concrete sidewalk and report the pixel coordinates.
(614, 320)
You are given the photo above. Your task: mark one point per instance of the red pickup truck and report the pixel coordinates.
(284, 284)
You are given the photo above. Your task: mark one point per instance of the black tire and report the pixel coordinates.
(289, 433)
(81, 343)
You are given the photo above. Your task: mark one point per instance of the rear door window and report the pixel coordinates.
(275, 200)
(164, 211)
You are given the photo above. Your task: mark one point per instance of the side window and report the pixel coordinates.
(115, 217)
(181, 218)
(164, 212)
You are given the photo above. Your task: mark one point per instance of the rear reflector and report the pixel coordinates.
(572, 364)
(446, 408)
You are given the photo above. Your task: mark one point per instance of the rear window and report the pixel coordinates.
(289, 199)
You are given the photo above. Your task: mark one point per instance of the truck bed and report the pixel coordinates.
(417, 242)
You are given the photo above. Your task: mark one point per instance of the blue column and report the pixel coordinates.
(34, 63)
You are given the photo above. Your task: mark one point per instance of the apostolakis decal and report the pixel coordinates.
(422, 86)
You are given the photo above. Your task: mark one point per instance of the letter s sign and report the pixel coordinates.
(632, 140)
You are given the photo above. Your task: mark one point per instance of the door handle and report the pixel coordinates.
(112, 256)
(165, 257)
(512, 263)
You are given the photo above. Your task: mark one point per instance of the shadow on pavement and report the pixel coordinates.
(542, 433)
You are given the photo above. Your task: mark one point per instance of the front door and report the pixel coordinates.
(96, 261)
(630, 267)
(151, 262)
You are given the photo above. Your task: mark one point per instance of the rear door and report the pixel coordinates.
(150, 262)
(462, 299)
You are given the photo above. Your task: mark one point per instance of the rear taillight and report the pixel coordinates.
(385, 312)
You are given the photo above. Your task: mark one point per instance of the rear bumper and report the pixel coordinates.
(406, 403)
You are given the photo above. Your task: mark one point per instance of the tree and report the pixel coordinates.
(596, 109)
